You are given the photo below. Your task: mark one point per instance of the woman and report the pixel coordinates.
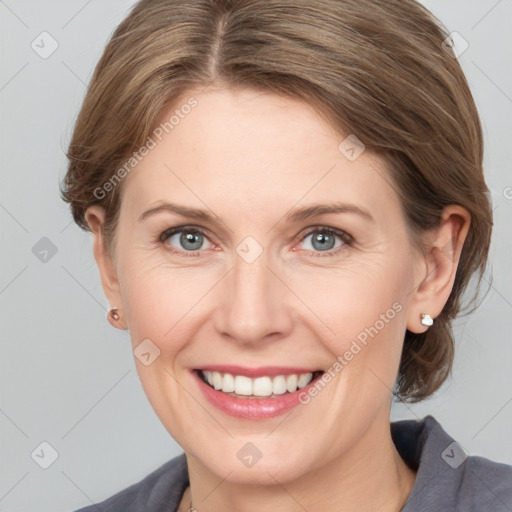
(287, 204)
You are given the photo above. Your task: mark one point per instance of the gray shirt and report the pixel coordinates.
(447, 479)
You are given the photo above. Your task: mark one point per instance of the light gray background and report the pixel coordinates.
(68, 378)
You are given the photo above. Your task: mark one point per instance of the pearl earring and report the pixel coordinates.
(114, 314)
(426, 319)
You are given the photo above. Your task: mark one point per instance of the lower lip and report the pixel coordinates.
(252, 408)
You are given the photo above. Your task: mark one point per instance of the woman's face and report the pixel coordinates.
(261, 284)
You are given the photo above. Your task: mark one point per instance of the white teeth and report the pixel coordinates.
(260, 386)
(279, 385)
(228, 383)
(304, 380)
(243, 385)
(291, 383)
(217, 380)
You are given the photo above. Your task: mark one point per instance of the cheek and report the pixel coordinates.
(161, 301)
(356, 302)
(362, 309)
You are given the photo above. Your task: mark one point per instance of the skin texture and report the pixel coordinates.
(249, 158)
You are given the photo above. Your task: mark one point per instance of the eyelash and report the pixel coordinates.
(347, 239)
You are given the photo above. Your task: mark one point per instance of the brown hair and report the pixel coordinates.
(378, 68)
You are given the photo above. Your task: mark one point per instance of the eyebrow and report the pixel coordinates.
(184, 211)
(295, 215)
(314, 210)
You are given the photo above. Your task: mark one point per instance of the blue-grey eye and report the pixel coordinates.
(322, 240)
(186, 239)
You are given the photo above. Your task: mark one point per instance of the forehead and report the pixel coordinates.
(246, 150)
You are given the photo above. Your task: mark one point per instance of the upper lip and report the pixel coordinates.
(260, 371)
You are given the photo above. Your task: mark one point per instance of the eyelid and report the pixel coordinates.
(172, 231)
(346, 237)
(168, 233)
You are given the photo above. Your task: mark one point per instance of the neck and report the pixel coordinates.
(370, 476)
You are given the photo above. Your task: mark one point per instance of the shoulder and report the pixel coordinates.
(160, 490)
(447, 477)
(487, 483)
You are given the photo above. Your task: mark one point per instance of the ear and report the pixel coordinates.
(95, 216)
(438, 266)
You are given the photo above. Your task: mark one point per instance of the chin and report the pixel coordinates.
(244, 463)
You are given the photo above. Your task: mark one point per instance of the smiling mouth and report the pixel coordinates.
(241, 386)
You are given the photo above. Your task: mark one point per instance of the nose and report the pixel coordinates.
(254, 305)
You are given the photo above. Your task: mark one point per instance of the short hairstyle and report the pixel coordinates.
(379, 69)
